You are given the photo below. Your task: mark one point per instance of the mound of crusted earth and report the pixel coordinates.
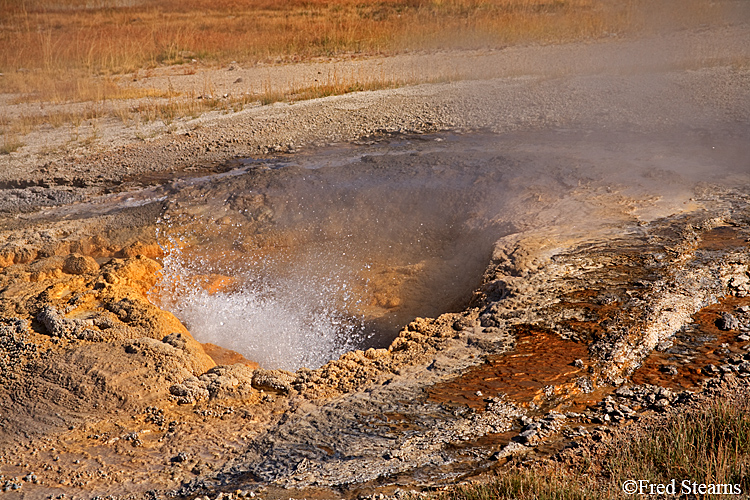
(608, 300)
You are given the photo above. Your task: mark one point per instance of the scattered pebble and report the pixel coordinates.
(727, 322)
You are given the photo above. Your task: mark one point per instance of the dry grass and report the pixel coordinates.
(169, 107)
(51, 49)
(707, 446)
(26, 123)
(69, 85)
(192, 106)
(10, 145)
(526, 485)
(339, 85)
(64, 51)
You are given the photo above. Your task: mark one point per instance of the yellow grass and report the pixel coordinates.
(169, 107)
(10, 144)
(63, 85)
(50, 48)
(79, 50)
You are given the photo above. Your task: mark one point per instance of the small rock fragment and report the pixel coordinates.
(278, 381)
(79, 264)
(526, 435)
(625, 392)
(711, 369)
(727, 322)
(664, 345)
(669, 370)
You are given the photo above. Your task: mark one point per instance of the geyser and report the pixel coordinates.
(292, 262)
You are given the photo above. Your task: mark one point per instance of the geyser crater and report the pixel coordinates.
(296, 265)
(294, 261)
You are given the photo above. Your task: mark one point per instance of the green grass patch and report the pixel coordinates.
(710, 446)
(524, 485)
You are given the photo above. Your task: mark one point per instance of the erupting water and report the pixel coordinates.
(294, 266)
(280, 321)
